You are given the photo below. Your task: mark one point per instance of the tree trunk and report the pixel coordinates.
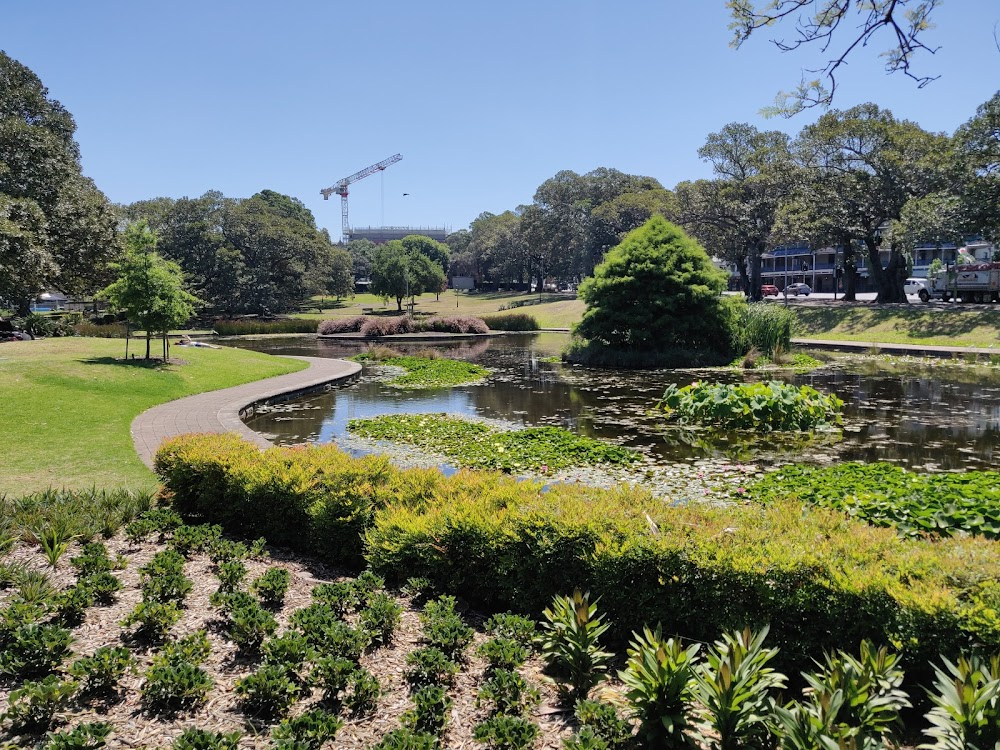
(850, 272)
(756, 252)
(888, 282)
(741, 268)
(147, 344)
(399, 304)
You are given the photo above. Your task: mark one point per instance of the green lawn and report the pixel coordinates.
(933, 326)
(557, 311)
(68, 404)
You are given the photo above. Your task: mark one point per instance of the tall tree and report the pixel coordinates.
(874, 164)
(497, 248)
(399, 273)
(818, 23)
(57, 230)
(977, 145)
(362, 254)
(435, 251)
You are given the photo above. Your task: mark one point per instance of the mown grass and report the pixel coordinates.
(556, 311)
(933, 326)
(69, 403)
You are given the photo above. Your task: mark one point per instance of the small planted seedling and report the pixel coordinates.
(100, 673)
(308, 731)
(431, 707)
(35, 649)
(380, 618)
(507, 693)
(268, 692)
(202, 739)
(272, 586)
(429, 666)
(34, 705)
(363, 693)
(88, 736)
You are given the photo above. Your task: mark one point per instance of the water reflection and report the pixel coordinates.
(923, 419)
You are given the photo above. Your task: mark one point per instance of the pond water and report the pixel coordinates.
(928, 417)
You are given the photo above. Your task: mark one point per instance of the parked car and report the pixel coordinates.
(768, 290)
(919, 287)
(798, 288)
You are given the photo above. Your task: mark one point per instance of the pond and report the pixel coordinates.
(927, 417)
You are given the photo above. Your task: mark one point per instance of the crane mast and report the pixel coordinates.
(340, 187)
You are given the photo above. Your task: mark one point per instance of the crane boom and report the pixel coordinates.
(340, 187)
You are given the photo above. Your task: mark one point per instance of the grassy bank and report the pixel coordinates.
(914, 324)
(69, 402)
(556, 311)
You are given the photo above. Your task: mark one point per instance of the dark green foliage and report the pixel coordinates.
(81, 513)
(226, 550)
(657, 289)
(268, 692)
(190, 539)
(249, 624)
(33, 705)
(407, 739)
(160, 521)
(308, 731)
(429, 666)
(569, 642)
(271, 587)
(327, 633)
(99, 673)
(887, 495)
(16, 615)
(103, 586)
(761, 407)
(35, 649)
(511, 322)
(89, 736)
(444, 628)
(193, 648)
(172, 686)
(586, 739)
(163, 578)
(763, 327)
(231, 575)
(363, 692)
(503, 653)
(340, 597)
(735, 686)
(290, 650)
(72, 602)
(202, 739)
(153, 618)
(605, 724)
(332, 675)
(93, 559)
(431, 708)
(34, 587)
(380, 618)
(516, 627)
(506, 733)
(658, 678)
(367, 584)
(507, 693)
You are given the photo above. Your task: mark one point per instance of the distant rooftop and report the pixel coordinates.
(381, 235)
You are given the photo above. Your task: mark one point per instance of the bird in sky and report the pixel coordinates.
(405, 193)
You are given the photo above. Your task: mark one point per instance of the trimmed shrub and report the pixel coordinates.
(374, 327)
(341, 325)
(822, 581)
(455, 324)
(511, 322)
(256, 327)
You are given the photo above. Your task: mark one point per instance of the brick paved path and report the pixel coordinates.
(219, 411)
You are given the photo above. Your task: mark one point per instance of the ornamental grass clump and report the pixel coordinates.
(751, 406)
(341, 325)
(763, 327)
(455, 324)
(511, 322)
(375, 327)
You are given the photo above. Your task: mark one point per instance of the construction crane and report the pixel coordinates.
(340, 187)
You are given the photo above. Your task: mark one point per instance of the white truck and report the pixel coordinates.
(971, 282)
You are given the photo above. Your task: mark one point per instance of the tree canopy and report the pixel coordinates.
(57, 230)
(398, 273)
(658, 289)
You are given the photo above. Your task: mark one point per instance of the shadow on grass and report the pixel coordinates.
(913, 323)
(153, 363)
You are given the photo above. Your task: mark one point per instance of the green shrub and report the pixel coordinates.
(268, 692)
(35, 649)
(407, 739)
(16, 615)
(340, 597)
(271, 587)
(507, 693)
(202, 739)
(518, 628)
(380, 618)
(604, 724)
(750, 406)
(88, 736)
(72, 602)
(163, 578)
(503, 653)
(763, 327)
(35, 587)
(35, 703)
(658, 682)
(191, 539)
(367, 584)
(569, 642)
(822, 581)
(83, 513)
(308, 731)
(227, 551)
(154, 619)
(290, 650)
(333, 675)
(94, 559)
(444, 628)
(172, 686)
(100, 673)
(103, 586)
(511, 322)
(506, 733)
(429, 666)
(363, 692)
(429, 715)
(966, 712)
(231, 574)
(328, 634)
(193, 648)
(249, 624)
(915, 504)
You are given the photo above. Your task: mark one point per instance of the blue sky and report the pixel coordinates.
(483, 100)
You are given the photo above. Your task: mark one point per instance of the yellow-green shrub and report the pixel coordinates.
(821, 580)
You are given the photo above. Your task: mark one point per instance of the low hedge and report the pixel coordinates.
(821, 579)
(252, 327)
(511, 322)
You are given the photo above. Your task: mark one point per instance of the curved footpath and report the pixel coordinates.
(219, 411)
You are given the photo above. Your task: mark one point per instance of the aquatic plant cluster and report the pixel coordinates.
(426, 372)
(821, 581)
(477, 445)
(750, 406)
(887, 495)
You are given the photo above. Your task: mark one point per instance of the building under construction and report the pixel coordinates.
(381, 235)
